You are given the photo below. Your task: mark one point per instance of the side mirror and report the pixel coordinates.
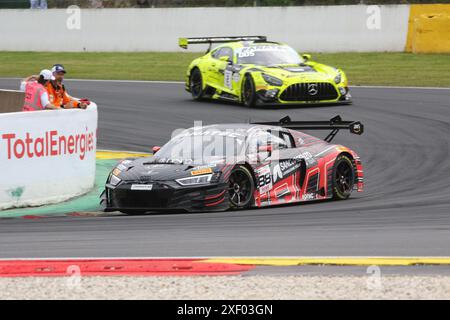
(225, 59)
(155, 149)
(306, 57)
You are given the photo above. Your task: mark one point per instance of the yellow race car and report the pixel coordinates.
(254, 71)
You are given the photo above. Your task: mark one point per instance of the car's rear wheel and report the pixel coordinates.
(241, 187)
(343, 177)
(248, 91)
(196, 84)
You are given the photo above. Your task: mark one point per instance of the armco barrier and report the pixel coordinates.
(46, 156)
(314, 28)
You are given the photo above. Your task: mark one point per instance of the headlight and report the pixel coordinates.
(113, 180)
(338, 78)
(272, 80)
(195, 180)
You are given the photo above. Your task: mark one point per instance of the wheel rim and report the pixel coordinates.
(344, 178)
(248, 90)
(239, 188)
(196, 83)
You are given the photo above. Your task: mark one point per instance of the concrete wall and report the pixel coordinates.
(11, 101)
(429, 29)
(319, 28)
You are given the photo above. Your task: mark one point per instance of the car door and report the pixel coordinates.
(278, 171)
(220, 71)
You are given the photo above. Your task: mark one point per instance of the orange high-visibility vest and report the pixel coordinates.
(58, 96)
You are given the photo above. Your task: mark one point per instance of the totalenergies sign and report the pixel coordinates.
(50, 144)
(49, 156)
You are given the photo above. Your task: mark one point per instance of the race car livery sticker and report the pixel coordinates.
(307, 156)
(264, 179)
(236, 77)
(228, 76)
(142, 187)
(201, 171)
(308, 196)
(122, 167)
(246, 52)
(206, 166)
(284, 168)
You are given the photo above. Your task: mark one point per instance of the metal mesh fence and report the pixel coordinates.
(199, 3)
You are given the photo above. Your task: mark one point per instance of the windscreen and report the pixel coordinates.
(201, 147)
(268, 55)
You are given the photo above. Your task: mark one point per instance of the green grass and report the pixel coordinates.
(396, 69)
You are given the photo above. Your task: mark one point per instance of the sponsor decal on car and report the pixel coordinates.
(307, 156)
(121, 166)
(284, 168)
(308, 196)
(264, 179)
(201, 171)
(142, 187)
(228, 76)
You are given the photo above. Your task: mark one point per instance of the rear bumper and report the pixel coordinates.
(164, 197)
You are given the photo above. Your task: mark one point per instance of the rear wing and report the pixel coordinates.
(335, 124)
(184, 42)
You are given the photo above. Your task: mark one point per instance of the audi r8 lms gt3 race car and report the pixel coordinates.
(254, 71)
(217, 167)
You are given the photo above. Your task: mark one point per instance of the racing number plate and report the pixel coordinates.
(264, 179)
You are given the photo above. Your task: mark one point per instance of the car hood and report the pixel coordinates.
(303, 72)
(153, 169)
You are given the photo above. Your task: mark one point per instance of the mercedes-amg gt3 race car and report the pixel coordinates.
(254, 71)
(218, 167)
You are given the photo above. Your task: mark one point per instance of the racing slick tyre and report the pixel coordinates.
(196, 84)
(248, 91)
(241, 187)
(343, 177)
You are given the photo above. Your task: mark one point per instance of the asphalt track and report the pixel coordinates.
(404, 211)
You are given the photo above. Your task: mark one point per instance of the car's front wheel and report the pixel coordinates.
(196, 84)
(248, 91)
(241, 187)
(343, 177)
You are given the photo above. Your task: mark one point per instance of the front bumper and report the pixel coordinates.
(304, 93)
(165, 197)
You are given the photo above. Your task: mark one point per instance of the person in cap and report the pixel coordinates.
(57, 91)
(36, 96)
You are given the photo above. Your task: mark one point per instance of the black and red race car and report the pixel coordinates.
(223, 166)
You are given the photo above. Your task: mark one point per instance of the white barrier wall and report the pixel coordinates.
(317, 28)
(47, 156)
